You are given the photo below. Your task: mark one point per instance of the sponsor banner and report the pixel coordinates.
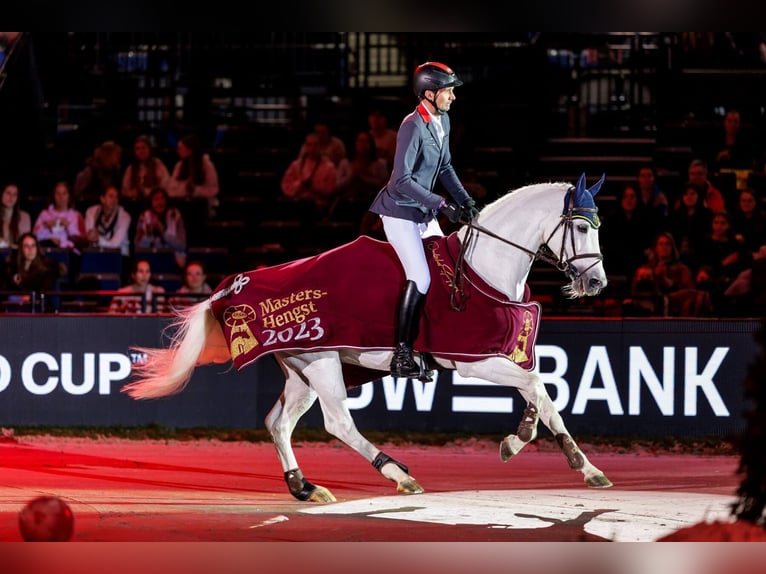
(606, 377)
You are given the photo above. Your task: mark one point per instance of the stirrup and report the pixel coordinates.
(422, 375)
(406, 370)
(426, 376)
(409, 368)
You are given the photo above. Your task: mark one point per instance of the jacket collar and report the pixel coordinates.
(423, 111)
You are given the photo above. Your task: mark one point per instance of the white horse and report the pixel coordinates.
(553, 222)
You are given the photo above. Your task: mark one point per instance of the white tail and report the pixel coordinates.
(197, 339)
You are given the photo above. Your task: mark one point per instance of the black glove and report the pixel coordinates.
(451, 212)
(468, 211)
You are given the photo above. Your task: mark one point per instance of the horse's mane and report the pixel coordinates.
(521, 193)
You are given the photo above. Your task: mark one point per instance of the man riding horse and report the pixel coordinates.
(408, 206)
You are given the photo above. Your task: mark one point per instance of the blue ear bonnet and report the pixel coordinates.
(578, 201)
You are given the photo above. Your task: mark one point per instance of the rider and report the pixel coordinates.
(408, 206)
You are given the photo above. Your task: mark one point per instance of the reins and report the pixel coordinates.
(457, 291)
(544, 252)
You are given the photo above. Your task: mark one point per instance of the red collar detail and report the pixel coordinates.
(423, 111)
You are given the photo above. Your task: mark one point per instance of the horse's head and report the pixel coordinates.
(532, 223)
(575, 243)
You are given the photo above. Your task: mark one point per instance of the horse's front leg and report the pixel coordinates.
(539, 407)
(503, 371)
(324, 372)
(576, 459)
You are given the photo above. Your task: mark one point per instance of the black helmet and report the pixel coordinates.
(433, 76)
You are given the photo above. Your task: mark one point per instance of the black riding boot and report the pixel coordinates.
(410, 307)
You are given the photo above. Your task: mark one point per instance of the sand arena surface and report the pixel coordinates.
(213, 490)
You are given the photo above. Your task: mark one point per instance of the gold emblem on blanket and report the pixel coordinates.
(241, 338)
(519, 353)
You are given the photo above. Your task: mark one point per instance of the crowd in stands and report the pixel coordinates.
(112, 207)
(695, 246)
(696, 249)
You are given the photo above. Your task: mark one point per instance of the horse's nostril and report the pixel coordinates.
(595, 283)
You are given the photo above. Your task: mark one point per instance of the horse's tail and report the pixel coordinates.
(168, 371)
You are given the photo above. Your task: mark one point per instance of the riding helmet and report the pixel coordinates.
(434, 76)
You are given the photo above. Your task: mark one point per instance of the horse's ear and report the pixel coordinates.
(597, 186)
(580, 187)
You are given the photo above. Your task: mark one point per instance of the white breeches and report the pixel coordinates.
(406, 237)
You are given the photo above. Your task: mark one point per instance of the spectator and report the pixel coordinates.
(746, 295)
(652, 197)
(162, 225)
(689, 222)
(362, 175)
(627, 233)
(733, 147)
(710, 195)
(145, 172)
(721, 258)
(140, 296)
(15, 220)
(748, 221)
(107, 224)
(384, 136)
(330, 145)
(102, 169)
(31, 270)
(60, 224)
(645, 298)
(194, 175)
(195, 283)
(674, 280)
(311, 176)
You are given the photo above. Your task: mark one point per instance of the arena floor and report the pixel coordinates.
(209, 490)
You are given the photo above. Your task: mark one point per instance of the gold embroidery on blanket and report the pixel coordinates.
(519, 353)
(445, 271)
(241, 338)
(294, 308)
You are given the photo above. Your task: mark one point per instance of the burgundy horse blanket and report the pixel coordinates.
(348, 297)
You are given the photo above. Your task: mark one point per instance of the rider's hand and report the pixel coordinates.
(468, 211)
(451, 212)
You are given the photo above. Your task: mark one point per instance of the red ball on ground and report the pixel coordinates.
(46, 519)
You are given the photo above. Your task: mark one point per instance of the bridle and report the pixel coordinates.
(543, 253)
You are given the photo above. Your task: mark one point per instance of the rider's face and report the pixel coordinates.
(444, 99)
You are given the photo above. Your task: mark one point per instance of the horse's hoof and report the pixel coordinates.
(321, 494)
(510, 446)
(598, 481)
(409, 486)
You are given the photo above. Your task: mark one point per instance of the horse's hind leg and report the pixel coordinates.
(324, 373)
(296, 399)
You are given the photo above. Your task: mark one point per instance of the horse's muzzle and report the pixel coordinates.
(596, 285)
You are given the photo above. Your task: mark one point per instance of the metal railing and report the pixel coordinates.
(90, 301)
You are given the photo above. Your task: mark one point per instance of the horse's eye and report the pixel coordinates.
(583, 228)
